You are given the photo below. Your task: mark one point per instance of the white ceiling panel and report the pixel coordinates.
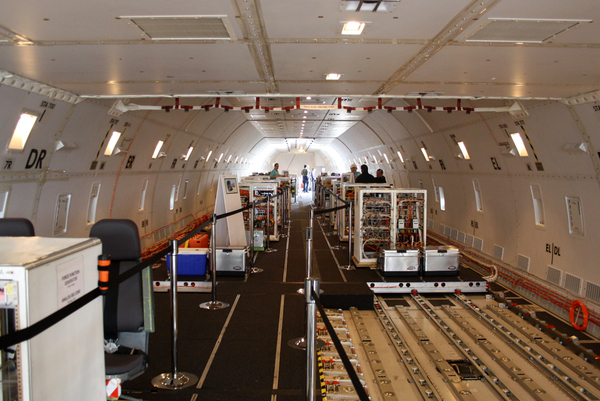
(411, 19)
(353, 61)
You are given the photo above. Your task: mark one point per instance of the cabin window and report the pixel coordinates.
(172, 199)
(93, 204)
(177, 190)
(477, 189)
(463, 150)
(185, 186)
(538, 205)
(442, 199)
(4, 192)
(22, 130)
(157, 149)
(143, 194)
(518, 141)
(61, 214)
(575, 215)
(435, 190)
(112, 143)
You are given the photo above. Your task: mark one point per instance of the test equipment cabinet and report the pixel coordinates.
(251, 191)
(347, 193)
(388, 219)
(39, 276)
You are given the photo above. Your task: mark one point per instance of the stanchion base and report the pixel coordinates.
(348, 267)
(181, 380)
(216, 305)
(269, 250)
(337, 247)
(300, 343)
(256, 270)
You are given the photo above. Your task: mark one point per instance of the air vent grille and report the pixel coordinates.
(461, 236)
(442, 229)
(447, 231)
(469, 240)
(592, 292)
(572, 283)
(554, 275)
(454, 234)
(511, 30)
(523, 262)
(197, 27)
(478, 244)
(498, 252)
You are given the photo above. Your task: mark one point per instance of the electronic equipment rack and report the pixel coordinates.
(388, 219)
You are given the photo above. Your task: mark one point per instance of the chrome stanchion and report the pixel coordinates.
(349, 265)
(284, 213)
(253, 269)
(214, 304)
(310, 285)
(174, 380)
(300, 343)
(268, 248)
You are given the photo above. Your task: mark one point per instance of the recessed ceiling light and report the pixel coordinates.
(333, 76)
(353, 28)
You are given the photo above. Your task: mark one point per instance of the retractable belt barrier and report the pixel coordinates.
(335, 209)
(28, 333)
(360, 391)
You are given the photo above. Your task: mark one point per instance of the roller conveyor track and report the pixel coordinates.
(457, 355)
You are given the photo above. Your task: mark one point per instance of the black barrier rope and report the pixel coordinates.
(222, 216)
(360, 391)
(332, 209)
(28, 333)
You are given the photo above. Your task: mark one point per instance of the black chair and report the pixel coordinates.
(128, 308)
(16, 227)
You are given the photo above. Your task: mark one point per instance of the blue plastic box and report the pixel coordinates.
(190, 261)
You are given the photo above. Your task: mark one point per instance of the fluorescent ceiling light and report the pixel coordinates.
(112, 143)
(333, 77)
(386, 158)
(516, 137)
(400, 156)
(425, 155)
(157, 149)
(22, 131)
(189, 152)
(220, 157)
(353, 28)
(463, 150)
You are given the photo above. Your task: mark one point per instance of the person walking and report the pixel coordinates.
(304, 173)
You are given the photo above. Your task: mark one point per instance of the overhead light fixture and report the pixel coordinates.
(353, 28)
(62, 145)
(157, 149)
(518, 141)
(425, 155)
(400, 156)
(208, 157)
(161, 155)
(220, 157)
(22, 131)
(112, 142)
(333, 77)
(463, 150)
(386, 158)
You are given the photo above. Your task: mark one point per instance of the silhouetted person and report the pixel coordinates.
(365, 177)
(380, 179)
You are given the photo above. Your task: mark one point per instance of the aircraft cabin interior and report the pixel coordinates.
(297, 200)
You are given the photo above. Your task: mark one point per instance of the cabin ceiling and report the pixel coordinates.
(278, 50)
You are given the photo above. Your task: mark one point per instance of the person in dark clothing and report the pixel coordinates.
(365, 177)
(380, 179)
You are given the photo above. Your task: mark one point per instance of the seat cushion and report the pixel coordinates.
(117, 364)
